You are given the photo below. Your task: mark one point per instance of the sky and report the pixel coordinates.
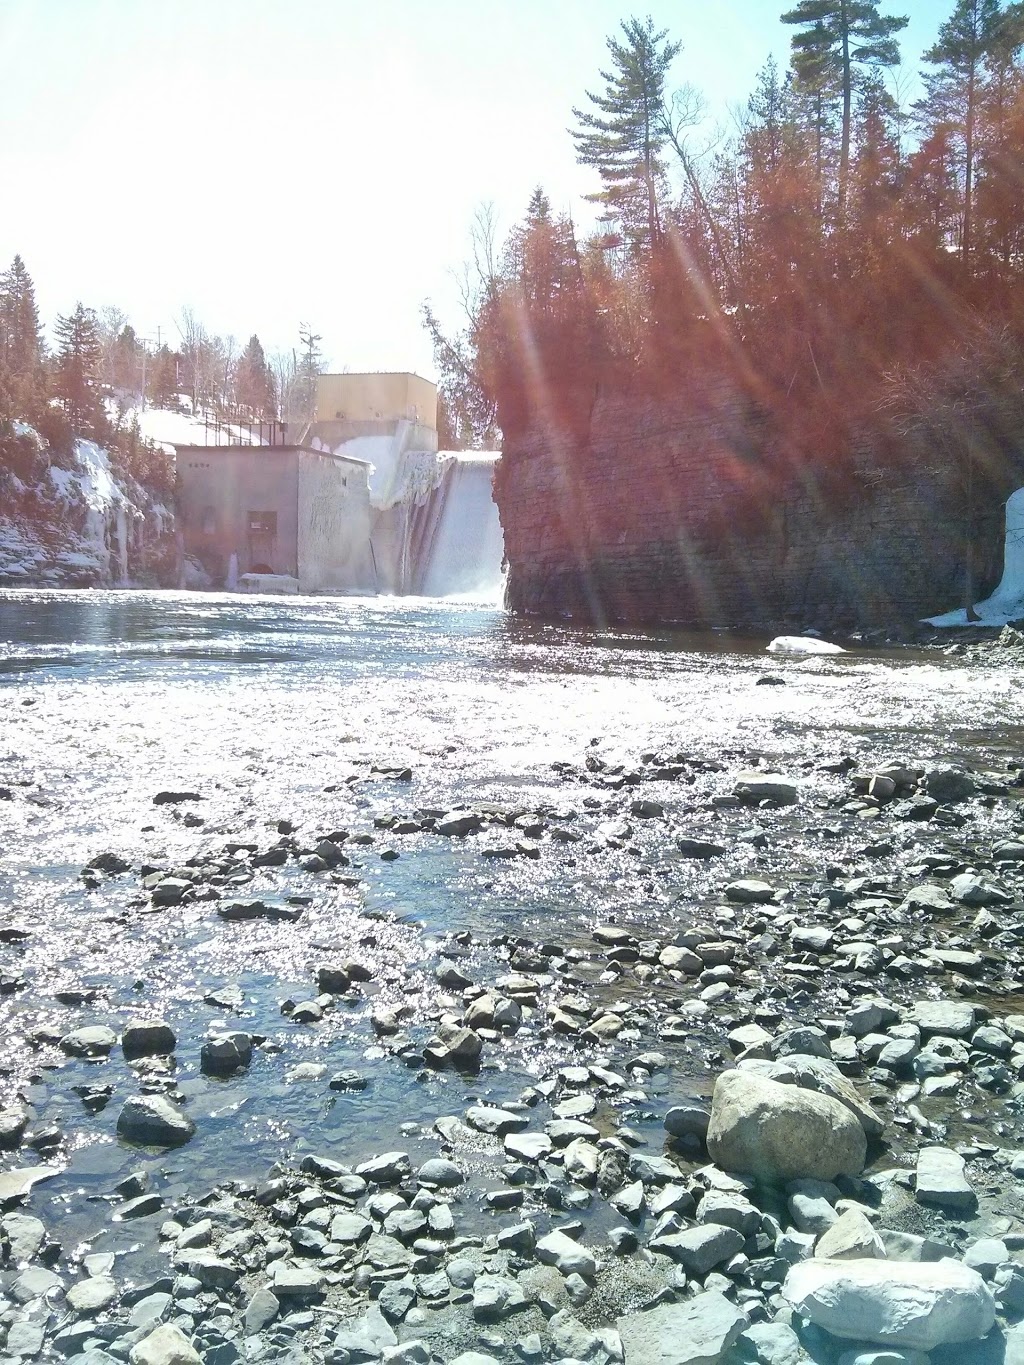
(267, 163)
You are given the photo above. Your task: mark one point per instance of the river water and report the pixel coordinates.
(278, 710)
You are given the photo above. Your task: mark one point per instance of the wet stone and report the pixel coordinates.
(154, 1121)
(95, 1040)
(147, 1038)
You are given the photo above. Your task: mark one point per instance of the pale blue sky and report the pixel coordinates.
(267, 162)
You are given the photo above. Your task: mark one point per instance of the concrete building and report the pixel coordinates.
(376, 398)
(353, 407)
(281, 509)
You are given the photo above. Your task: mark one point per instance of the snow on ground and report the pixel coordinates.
(1007, 602)
(168, 429)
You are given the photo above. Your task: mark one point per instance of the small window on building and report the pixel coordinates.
(263, 523)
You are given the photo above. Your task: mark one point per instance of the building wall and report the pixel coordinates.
(334, 525)
(219, 487)
(376, 398)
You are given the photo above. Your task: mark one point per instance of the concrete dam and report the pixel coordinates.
(358, 501)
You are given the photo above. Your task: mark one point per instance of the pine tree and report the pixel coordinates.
(254, 383)
(837, 36)
(623, 139)
(976, 31)
(21, 347)
(78, 358)
(162, 378)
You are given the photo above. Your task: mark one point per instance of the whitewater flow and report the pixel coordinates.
(460, 545)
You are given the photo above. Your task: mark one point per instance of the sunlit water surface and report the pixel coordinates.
(277, 709)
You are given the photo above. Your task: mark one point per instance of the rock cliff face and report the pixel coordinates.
(79, 525)
(660, 511)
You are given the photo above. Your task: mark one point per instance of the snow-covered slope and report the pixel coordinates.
(168, 429)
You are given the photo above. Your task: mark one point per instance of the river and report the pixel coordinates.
(280, 710)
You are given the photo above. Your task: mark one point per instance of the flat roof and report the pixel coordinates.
(278, 445)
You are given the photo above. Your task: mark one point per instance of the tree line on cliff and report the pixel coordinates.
(847, 257)
(91, 381)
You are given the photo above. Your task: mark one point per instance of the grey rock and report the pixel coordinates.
(35, 1283)
(154, 1121)
(24, 1234)
(487, 1118)
(261, 1310)
(695, 1333)
(147, 1038)
(970, 889)
(986, 1256)
(92, 1294)
(772, 1343)
(941, 1179)
(565, 1254)
(496, 1296)
(949, 786)
(687, 1120)
(749, 891)
(165, 1345)
(95, 1040)
(444, 1174)
(225, 1051)
(699, 1249)
(920, 1306)
(387, 1169)
(754, 786)
(780, 1132)
(296, 1281)
(851, 1237)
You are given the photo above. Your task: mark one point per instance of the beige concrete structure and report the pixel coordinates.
(361, 398)
(278, 509)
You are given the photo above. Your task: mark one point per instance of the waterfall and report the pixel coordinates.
(436, 531)
(457, 545)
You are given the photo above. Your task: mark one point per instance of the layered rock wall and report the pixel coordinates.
(662, 511)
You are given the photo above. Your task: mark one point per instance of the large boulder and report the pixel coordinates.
(694, 1333)
(899, 1304)
(821, 1074)
(782, 1132)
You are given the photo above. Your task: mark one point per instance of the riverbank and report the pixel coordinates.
(490, 978)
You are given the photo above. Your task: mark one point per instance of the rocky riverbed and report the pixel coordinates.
(651, 1046)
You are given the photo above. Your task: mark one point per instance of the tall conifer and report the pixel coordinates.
(835, 37)
(623, 135)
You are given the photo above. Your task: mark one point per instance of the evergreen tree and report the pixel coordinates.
(78, 358)
(623, 136)
(21, 347)
(162, 378)
(836, 36)
(976, 31)
(254, 384)
(308, 364)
